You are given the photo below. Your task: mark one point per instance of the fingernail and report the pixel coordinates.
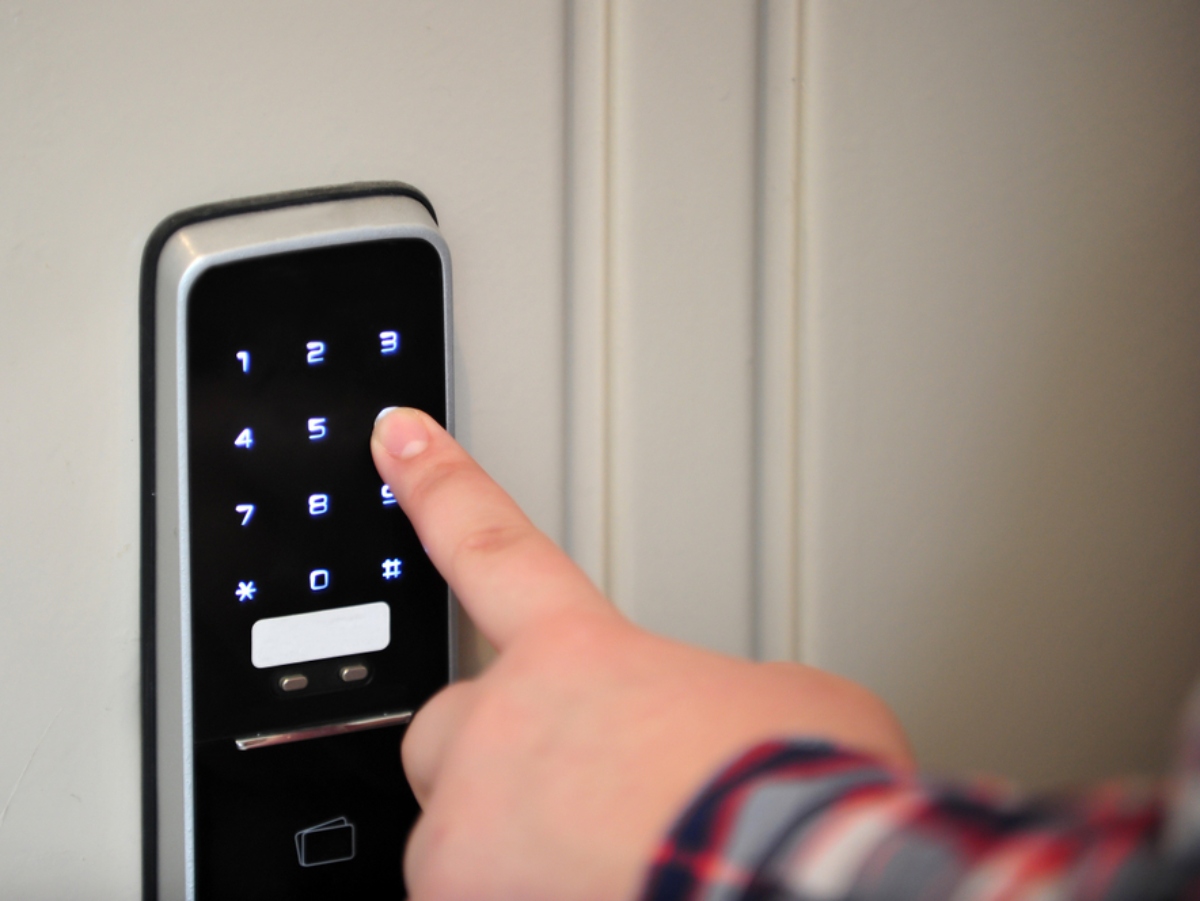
(404, 435)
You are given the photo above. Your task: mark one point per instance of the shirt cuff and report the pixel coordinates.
(719, 846)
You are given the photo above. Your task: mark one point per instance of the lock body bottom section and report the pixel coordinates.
(317, 819)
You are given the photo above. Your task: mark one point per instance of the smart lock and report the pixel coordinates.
(291, 622)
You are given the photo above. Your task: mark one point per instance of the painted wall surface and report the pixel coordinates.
(862, 333)
(113, 116)
(1003, 374)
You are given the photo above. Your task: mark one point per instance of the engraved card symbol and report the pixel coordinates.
(328, 842)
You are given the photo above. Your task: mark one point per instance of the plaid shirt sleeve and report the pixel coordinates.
(807, 821)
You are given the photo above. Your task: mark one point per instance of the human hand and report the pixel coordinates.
(555, 774)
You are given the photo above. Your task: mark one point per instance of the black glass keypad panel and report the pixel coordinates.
(289, 360)
(312, 820)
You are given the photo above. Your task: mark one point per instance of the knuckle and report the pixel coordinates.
(433, 863)
(415, 749)
(435, 478)
(491, 541)
(432, 728)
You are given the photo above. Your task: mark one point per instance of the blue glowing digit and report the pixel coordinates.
(316, 428)
(389, 342)
(318, 579)
(244, 439)
(318, 504)
(316, 352)
(247, 511)
(386, 493)
(244, 356)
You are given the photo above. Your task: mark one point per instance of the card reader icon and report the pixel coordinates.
(328, 842)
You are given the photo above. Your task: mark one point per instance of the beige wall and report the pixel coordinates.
(862, 332)
(1002, 365)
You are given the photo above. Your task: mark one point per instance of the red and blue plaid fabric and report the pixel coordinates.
(806, 821)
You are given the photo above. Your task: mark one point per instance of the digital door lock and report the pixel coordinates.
(291, 622)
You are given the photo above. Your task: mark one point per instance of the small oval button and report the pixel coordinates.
(354, 673)
(297, 682)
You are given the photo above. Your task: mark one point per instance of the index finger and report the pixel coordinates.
(506, 573)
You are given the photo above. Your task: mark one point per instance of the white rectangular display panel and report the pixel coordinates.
(340, 632)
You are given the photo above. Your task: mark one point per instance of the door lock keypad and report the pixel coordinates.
(289, 360)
